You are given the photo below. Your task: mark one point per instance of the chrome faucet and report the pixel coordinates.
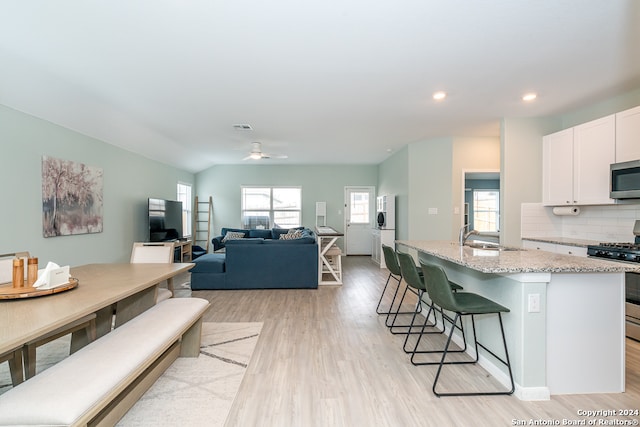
(464, 236)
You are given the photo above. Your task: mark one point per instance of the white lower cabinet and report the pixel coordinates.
(571, 250)
(539, 246)
(376, 246)
(382, 237)
(555, 248)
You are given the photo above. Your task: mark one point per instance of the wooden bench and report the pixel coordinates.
(99, 383)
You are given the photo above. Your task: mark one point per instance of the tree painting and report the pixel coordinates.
(71, 198)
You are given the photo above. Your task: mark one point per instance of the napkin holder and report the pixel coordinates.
(52, 276)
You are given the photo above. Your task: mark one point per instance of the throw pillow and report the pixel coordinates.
(291, 235)
(233, 235)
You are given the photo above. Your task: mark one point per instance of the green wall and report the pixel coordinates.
(428, 174)
(521, 171)
(129, 180)
(422, 175)
(324, 183)
(430, 187)
(427, 177)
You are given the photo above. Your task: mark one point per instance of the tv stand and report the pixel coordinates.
(184, 248)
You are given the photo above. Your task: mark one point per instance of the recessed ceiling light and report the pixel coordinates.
(529, 96)
(440, 95)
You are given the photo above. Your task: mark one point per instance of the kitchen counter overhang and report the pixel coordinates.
(573, 342)
(515, 260)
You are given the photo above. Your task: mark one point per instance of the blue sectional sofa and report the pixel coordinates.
(258, 260)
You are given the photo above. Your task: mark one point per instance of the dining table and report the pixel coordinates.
(116, 293)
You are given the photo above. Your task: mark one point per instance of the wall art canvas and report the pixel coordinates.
(71, 198)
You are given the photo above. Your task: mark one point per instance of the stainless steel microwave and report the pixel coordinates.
(625, 180)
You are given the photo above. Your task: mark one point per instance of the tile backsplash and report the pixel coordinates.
(611, 223)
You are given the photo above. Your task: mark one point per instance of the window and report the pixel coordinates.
(359, 208)
(486, 205)
(266, 207)
(184, 196)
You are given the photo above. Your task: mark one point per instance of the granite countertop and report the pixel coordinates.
(581, 243)
(515, 260)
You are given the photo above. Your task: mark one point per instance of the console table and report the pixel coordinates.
(184, 248)
(329, 256)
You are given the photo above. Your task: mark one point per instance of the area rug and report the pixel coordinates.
(192, 391)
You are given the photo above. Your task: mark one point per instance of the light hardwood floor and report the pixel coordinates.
(325, 358)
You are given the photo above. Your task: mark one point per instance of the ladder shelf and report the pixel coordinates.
(202, 223)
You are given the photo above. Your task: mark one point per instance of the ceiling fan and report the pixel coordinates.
(257, 154)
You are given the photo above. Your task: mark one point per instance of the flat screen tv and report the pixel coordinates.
(165, 220)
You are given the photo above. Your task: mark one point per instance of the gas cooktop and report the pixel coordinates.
(616, 251)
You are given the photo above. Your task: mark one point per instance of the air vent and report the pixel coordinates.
(242, 126)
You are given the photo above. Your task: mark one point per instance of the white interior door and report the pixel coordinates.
(359, 205)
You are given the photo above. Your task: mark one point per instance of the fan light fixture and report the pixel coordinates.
(256, 153)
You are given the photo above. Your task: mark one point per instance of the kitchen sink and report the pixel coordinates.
(489, 246)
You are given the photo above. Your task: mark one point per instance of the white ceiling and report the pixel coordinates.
(333, 81)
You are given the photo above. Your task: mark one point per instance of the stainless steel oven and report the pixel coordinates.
(627, 253)
(632, 293)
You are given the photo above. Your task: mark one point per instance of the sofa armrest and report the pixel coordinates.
(217, 243)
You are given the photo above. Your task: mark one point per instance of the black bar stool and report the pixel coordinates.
(463, 304)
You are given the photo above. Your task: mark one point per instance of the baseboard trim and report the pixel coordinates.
(532, 393)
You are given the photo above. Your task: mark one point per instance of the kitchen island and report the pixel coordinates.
(565, 331)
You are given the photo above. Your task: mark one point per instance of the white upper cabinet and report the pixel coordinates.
(557, 168)
(628, 135)
(576, 163)
(594, 149)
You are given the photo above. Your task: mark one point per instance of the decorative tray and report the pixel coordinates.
(9, 292)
